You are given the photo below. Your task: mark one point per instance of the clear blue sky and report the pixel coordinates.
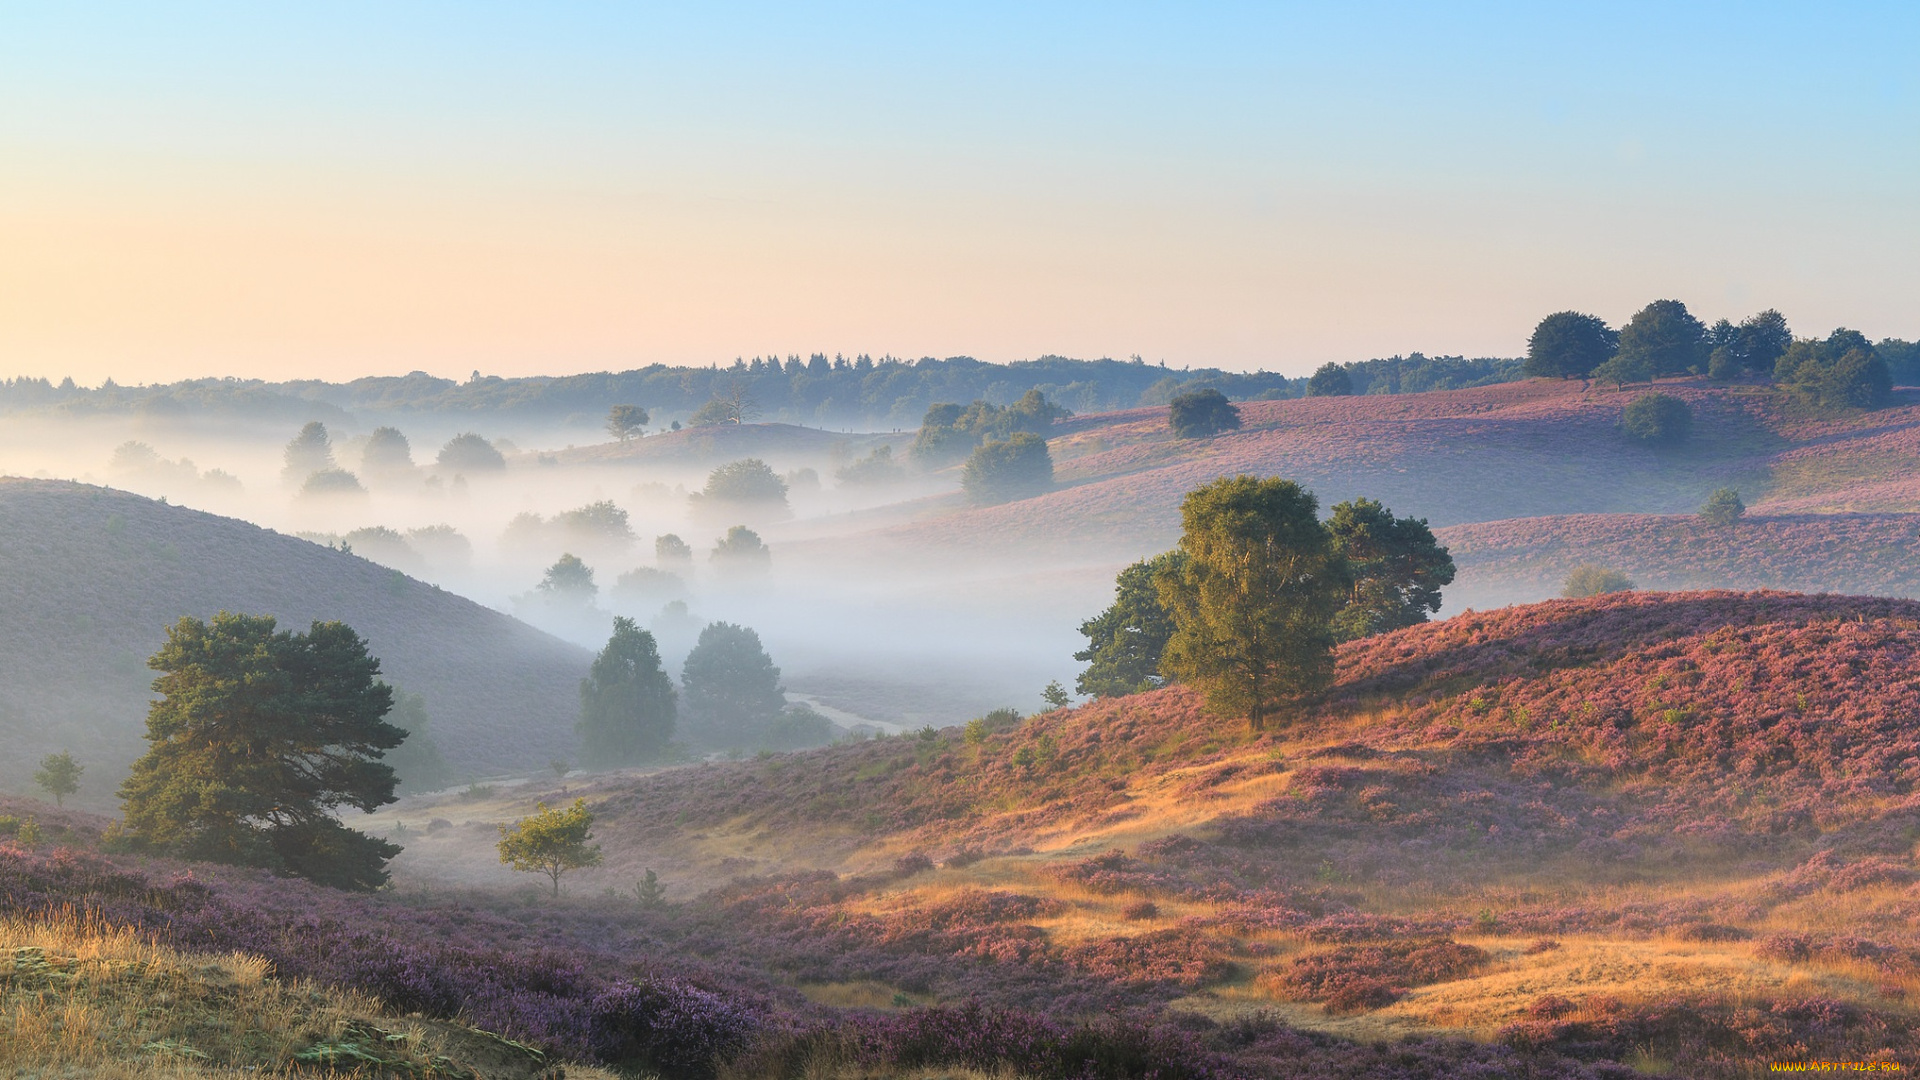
(352, 188)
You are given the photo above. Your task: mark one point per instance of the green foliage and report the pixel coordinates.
(669, 549)
(626, 421)
(1201, 414)
(1665, 337)
(1844, 371)
(731, 687)
(949, 432)
(1014, 468)
(1125, 642)
(59, 776)
(1759, 341)
(1331, 380)
(993, 723)
(747, 481)
(601, 522)
(387, 451)
(28, 833)
(309, 452)
(1056, 696)
(332, 482)
(1624, 369)
(569, 579)
(876, 469)
(468, 452)
(627, 701)
(741, 551)
(1657, 420)
(1253, 602)
(1396, 566)
(551, 842)
(730, 404)
(1569, 344)
(417, 761)
(650, 894)
(257, 739)
(1723, 507)
(1590, 580)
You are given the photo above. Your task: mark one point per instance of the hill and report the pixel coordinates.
(1529, 559)
(93, 577)
(716, 443)
(1611, 829)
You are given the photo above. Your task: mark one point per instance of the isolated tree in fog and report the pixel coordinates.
(626, 421)
(740, 551)
(748, 482)
(1666, 337)
(1723, 508)
(1569, 344)
(328, 482)
(1590, 580)
(730, 686)
(1014, 468)
(669, 549)
(258, 738)
(468, 452)
(627, 702)
(387, 453)
(1254, 600)
(1201, 414)
(1396, 566)
(569, 579)
(59, 776)
(416, 762)
(551, 842)
(1657, 420)
(308, 453)
(1125, 642)
(1331, 380)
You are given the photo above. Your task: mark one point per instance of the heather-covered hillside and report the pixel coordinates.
(93, 577)
(1529, 558)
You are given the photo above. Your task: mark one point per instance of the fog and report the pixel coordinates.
(866, 628)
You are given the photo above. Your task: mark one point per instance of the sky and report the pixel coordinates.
(343, 189)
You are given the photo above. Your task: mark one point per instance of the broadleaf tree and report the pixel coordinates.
(1254, 600)
(1125, 642)
(627, 701)
(1396, 566)
(731, 687)
(258, 737)
(59, 776)
(551, 842)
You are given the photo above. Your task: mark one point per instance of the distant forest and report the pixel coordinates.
(818, 390)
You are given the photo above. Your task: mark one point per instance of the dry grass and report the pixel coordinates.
(81, 998)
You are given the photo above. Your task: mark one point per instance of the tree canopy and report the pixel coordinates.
(626, 421)
(387, 451)
(627, 701)
(1588, 579)
(569, 579)
(1001, 470)
(551, 842)
(59, 776)
(1844, 371)
(669, 549)
(741, 551)
(1723, 508)
(1253, 602)
(1666, 337)
(950, 432)
(258, 737)
(1657, 420)
(731, 687)
(749, 482)
(1396, 567)
(1569, 344)
(468, 452)
(1331, 380)
(309, 452)
(417, 761)
(1125, 642)
(1201, 414)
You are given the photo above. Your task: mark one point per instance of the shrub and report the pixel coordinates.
(1201, 413)
(1013, 468)
(1657, 419)
(1589, 580)
(1723, 507)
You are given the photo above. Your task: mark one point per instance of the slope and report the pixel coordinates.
(93, 577)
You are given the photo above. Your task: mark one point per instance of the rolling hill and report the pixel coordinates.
(93, 577)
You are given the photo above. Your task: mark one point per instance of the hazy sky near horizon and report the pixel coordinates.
(353, 188)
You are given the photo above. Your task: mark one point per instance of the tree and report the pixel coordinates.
(747, 482)
(258, 738)
(731, 686)
(1331, 380)
(1569, 344)
(1396, 566)
(1623, 369)
(387, 452)
(550, 842)
(650, 894)
(331, 482)
(468, 452)
(1125, 642)
(1590, 580)
(417, 761)
(1055, 696)
(1253, 602)
(1761, 340)
(741, 552)
(596, 523)
(627, 701)
(1013, 468)
(1844, 371)
(732, 405)
(876, 469)
(1201, 414)
(59, 776)
(309, 452)
(626, 421)
(1666, 337)
(669, 550)
(1723, 508)
(1657, 420)
(569, 579)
